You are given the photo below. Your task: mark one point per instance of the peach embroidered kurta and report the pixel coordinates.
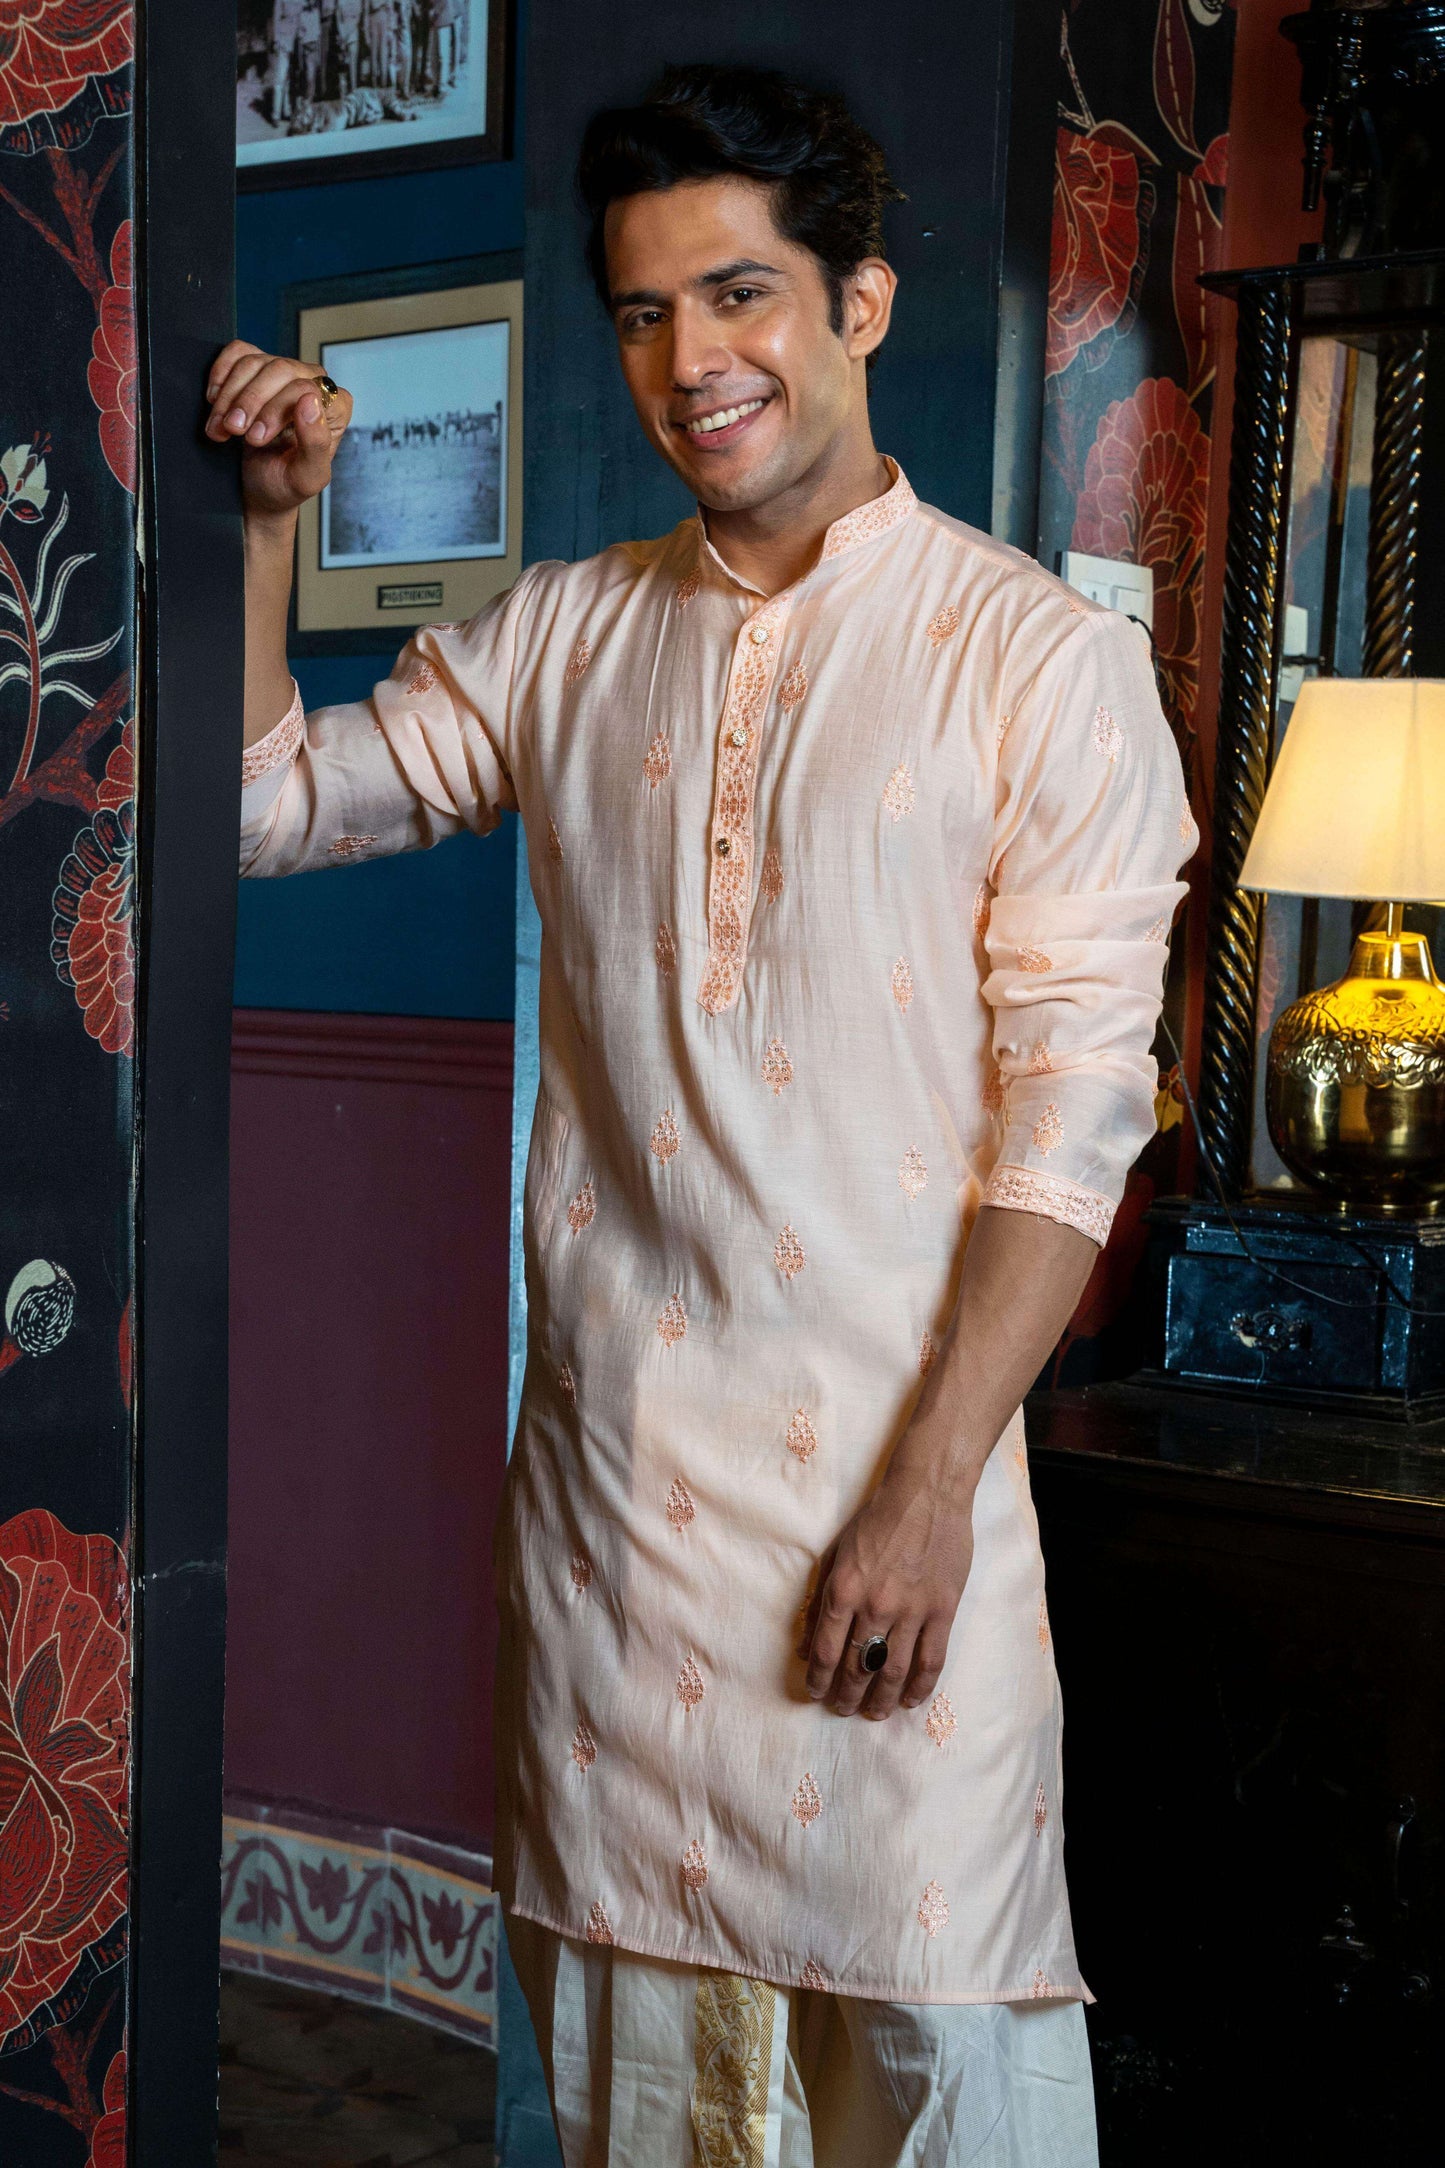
(854, 906)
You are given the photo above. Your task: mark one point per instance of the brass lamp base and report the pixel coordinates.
(1355, 1094)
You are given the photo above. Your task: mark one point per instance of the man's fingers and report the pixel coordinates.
(270, 397)
(889, 1683)
(233, 402)
(852, 1681)
(225, 361)
(830, 1638)
(928, 1662)
(311, 460)
(812, 1608)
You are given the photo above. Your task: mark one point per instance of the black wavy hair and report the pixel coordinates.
(830, 180)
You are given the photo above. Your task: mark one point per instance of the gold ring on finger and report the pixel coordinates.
(328, 388)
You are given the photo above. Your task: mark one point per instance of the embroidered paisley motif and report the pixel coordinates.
(940, 1723)
(912, 1174)
(665, 951)
(777, 1067)
(794, 689)
(599, 1927)
(807, 1802)
(898, 792)
(802, 1439)
(672, 1321)
(932, 1910)
(1049, 1130)
(1108, 737)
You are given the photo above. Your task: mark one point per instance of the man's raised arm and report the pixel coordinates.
(275, 409)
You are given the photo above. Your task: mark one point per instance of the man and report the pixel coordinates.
(311, 52)
(346, 39)
(855, 840)
(285, 26)
(442, 46)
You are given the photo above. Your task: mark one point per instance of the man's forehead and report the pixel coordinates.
(693, 232)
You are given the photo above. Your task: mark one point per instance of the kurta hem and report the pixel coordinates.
(773, 1974)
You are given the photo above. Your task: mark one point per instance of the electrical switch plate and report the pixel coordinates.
(1117, 585)
(1296, 642)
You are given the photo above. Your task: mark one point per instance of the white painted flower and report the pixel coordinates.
(23, 475)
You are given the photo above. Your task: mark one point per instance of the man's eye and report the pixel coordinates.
(742, 293)
(643, 320)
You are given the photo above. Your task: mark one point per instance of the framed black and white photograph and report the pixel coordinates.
(422, 518)
(343, 89)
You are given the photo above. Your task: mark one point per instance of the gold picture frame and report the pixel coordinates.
(422, 521)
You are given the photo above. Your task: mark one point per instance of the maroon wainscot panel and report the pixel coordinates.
(369, 1233)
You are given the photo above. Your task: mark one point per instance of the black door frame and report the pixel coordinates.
(192, 653)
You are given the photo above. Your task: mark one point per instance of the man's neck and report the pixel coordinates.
(773, 544)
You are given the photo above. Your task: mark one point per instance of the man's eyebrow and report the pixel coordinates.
(730, 271)
(647, 297)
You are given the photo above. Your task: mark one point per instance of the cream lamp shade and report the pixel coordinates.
(1356, 803)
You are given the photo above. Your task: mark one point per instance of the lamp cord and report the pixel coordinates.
(1315, 1294)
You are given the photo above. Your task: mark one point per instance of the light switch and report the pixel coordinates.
(1113, 582)
(1296, 642)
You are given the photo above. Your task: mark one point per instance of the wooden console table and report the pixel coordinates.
(1248, 1608)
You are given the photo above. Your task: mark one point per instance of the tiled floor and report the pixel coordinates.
(312, 2081)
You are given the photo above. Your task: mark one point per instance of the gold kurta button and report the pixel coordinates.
(759, 634)
(723, 846)
(739, 737)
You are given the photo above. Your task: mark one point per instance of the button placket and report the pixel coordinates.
(729, 904)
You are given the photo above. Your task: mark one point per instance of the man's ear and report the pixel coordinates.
(868, 306)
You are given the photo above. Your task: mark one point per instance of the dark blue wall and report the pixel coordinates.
(430, 934)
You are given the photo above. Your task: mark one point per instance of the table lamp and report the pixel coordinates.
(1355, 1091)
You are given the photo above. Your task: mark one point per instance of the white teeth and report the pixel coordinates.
(710, 422)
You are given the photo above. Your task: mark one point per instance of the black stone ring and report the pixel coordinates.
(873, 1654)
(328, 388)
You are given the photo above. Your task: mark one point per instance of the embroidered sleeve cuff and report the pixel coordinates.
(278, 748)
(1023, 1189)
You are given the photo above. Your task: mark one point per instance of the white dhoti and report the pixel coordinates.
(651, 2064)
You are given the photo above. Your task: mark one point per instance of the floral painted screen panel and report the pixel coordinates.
(1141, 168)
(67, 837)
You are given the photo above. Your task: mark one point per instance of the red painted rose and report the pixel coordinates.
(1144, 498)
(64, 1754)
(91, 942)
(107, 2143)
(1095, 250)
(49, 49)
(111, 375)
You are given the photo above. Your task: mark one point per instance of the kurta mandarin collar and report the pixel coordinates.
(877, 516)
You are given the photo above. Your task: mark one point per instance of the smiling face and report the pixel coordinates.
(724, 332)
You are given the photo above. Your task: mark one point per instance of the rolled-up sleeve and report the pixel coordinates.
(1092, 825)
(428, 754)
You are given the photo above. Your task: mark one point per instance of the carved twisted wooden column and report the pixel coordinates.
(1395, 483)
(1264, 373)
